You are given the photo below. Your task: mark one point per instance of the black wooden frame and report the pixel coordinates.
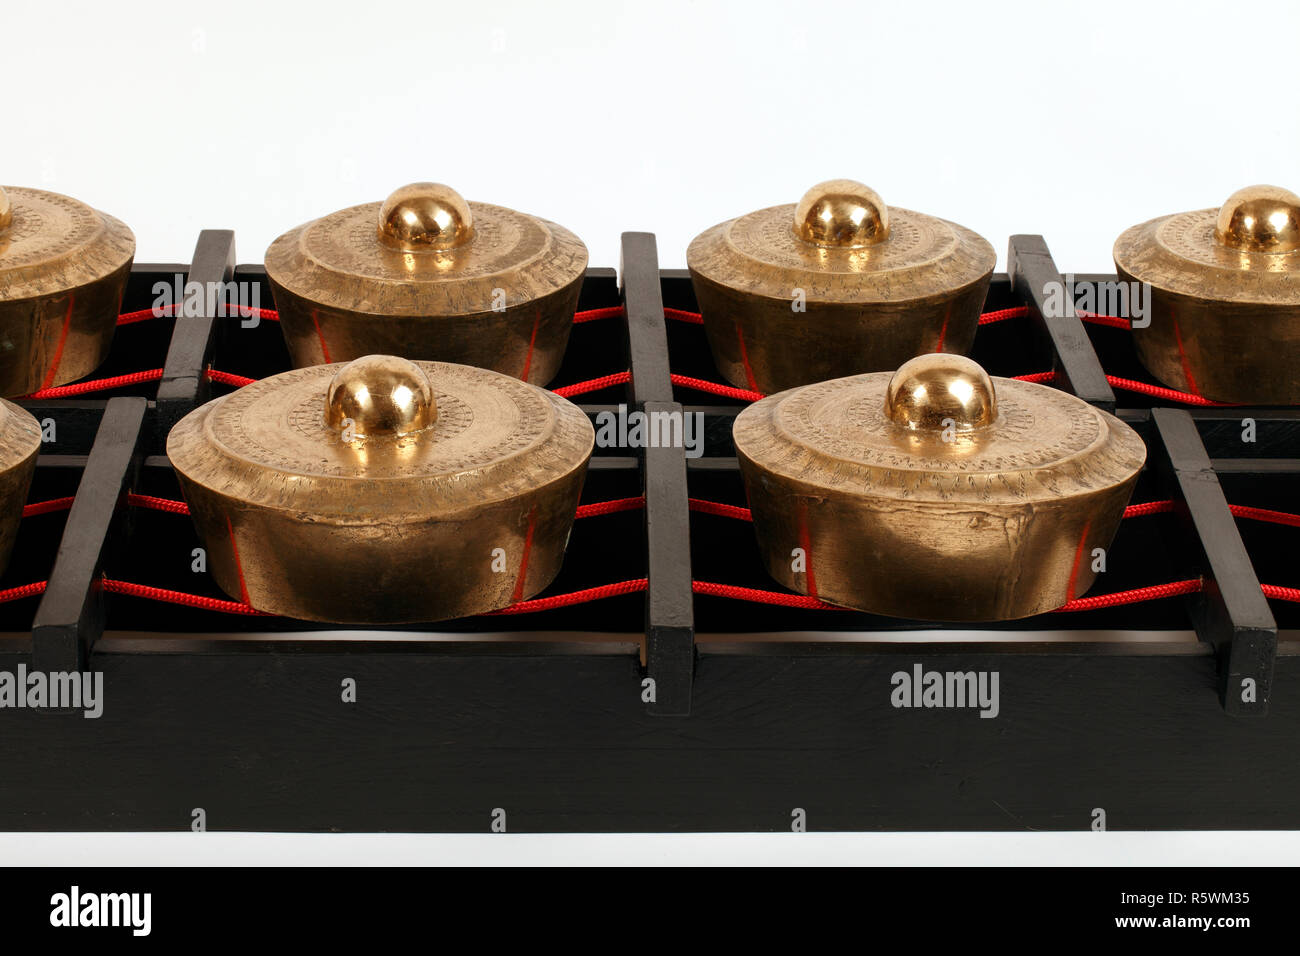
(662, 729)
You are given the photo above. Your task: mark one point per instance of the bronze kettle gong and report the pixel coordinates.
(835, 285)
(63, 270)
(1223, 317)
(936, 492)
(383, 490)
(428, 276)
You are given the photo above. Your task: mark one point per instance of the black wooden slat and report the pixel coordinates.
(184, 384)
(670, 618)
(670, 623)
(1232, 612)
(70, 617)
(647, 337)
(1033, 273)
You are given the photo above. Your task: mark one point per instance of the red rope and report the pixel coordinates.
(1148, 508)
(1156, 391)
(1001, 315)
(24, 591)
(592, 315)
(1135, 596)
(593, 385)
(132, 378)
(636, 586)
(243, 312)
(720, 509)
(97, 385)
(126, 318)
(179, 597)
(46, 507)
(1020, 311)
(1038, 377)
(1263, 514)
(597, 508)
(987, 318)
(1280, 593)
(699, 384)
(1129, 385)
(756, 596)
(229, 378)
(239, 607)
(158, 504)
(575, 597)
(1096, 318)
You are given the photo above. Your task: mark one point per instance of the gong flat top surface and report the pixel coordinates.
(339, 262)
(1179, 253)
(1044, 444)
(922, 257)
(20, 436)
(55, 243)
(494, 438)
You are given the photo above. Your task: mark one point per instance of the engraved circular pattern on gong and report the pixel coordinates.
(454, 416)
(347, 242)
(1036, 428)
(483, 419)
(1190, 236)
(46, 226)
(767, 236)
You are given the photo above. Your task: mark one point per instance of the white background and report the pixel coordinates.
(1074, 120)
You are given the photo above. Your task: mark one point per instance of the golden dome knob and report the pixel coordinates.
(841, 213)
(425, 217)
(380, 395)
(6, 211)
(941, 391)
(1260, 219)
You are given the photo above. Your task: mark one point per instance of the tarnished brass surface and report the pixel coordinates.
(935, 493)
(427, 275)
(1225, 297)
(835, 285)
(20, 443)
(384, 490)
(63, 269)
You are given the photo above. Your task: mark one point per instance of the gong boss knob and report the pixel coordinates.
(938, 391)
(380, 395)
(1260, 219)
(841, 213)
(425, 217)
